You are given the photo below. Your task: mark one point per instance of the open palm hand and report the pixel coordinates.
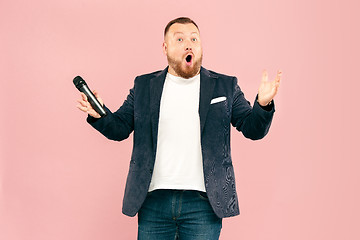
(267, 89)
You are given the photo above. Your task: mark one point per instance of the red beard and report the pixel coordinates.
(187, 71)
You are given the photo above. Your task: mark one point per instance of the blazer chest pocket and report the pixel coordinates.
(217, 100)
(219, 108)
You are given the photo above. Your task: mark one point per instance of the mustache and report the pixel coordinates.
(188, 53)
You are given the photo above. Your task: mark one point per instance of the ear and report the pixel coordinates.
(164, 46)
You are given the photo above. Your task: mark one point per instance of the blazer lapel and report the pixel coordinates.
(207, 84)
(156, 88)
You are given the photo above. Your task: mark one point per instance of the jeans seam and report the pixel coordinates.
(173, 201)
(180, 204)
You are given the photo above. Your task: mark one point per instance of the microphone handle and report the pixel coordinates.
(93, 100)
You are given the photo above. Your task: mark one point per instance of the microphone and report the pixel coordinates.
(81, 85)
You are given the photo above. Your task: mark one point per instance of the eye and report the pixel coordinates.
(194, 39)
(179, 39)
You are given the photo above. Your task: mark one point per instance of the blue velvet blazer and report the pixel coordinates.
(140, 113)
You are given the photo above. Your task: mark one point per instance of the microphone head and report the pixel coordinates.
(78, 81)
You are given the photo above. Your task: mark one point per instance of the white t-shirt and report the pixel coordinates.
(178, 162)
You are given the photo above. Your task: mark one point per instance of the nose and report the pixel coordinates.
(188, 46)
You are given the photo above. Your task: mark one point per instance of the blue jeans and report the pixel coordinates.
(177, 214)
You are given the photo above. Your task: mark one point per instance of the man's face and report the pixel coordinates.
(183, 49)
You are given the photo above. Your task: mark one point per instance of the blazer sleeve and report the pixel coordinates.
(253, 122)
(118, 125)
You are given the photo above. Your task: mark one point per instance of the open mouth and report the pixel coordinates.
(188, 59)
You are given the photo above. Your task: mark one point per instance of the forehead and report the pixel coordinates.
(187, 28)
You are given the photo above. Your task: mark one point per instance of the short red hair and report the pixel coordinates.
(181, 20)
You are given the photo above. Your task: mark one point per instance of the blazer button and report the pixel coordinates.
(150, 171)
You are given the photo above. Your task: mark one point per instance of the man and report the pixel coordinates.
(181, 179)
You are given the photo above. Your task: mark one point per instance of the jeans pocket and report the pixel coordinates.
(203, 195)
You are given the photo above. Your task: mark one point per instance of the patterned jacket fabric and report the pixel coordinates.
(222, 104)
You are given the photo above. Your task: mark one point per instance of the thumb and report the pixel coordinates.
(96, 93)
(98, 97)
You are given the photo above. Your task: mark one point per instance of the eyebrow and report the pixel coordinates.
(183, 33)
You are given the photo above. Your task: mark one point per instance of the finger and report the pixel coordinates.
(96, 94)
(84, 109)
(101, 101)
(98, 97)
(278, 76)
(264, 76)
(83, 103)
(84, 97)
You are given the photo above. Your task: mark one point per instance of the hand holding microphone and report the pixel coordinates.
(90, 103)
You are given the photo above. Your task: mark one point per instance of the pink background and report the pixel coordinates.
(60, 179)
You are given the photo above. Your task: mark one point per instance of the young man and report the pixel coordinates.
(181, 180)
